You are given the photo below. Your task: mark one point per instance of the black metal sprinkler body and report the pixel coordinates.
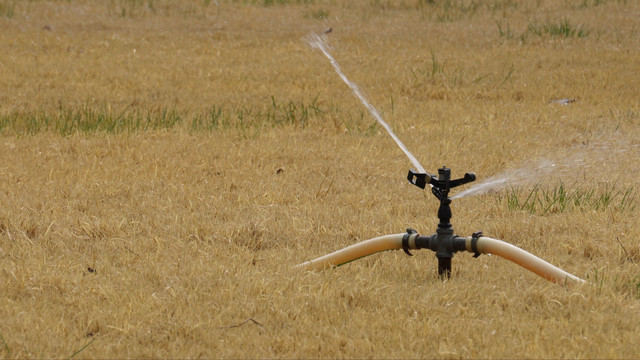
(443, 242)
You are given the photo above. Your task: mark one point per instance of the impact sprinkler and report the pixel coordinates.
(444, 242)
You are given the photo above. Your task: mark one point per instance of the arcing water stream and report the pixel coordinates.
(320, 42)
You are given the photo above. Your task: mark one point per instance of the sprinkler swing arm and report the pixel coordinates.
(444, 243)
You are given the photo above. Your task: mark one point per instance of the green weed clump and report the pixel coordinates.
(87, 119)
(439, 72)
(562, 29)
(558, 199)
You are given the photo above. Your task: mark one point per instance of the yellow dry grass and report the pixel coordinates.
(179, 243)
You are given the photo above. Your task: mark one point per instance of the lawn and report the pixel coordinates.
(165, 165)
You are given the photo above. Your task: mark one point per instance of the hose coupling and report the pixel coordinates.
(405, 240)
(474, 243)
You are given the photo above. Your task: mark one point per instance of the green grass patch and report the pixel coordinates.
(439, 71)
(87, 119)
(562, 29)
(600, 278)
(559, 199)
(276, 113)
(248, 120)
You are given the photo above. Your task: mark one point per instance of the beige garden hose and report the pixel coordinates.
(485, 245)
(354, 252)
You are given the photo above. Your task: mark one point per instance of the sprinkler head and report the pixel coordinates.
(440, 184)
(444, 242)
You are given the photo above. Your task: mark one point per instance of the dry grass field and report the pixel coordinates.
(165, 164)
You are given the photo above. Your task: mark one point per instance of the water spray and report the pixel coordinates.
(444, 242)
(320, 42)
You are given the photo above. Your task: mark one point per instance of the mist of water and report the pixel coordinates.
(320, 42)
(584, 163)
(513, 177)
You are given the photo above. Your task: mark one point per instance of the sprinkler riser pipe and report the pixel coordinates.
(444, 213)
(444, 267)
